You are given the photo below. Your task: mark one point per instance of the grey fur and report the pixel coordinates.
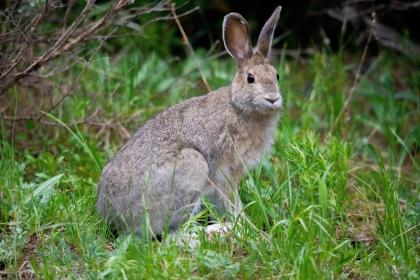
(200, 147)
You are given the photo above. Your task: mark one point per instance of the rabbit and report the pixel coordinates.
(199, 148)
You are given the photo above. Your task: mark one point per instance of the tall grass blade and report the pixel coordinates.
(44, 188)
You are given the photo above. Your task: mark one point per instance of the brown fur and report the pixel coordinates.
(200, 147)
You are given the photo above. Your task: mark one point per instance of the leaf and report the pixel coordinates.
(80, 139)
(323, 192)
(44, 188)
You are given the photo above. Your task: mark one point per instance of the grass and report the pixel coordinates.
(344, 206)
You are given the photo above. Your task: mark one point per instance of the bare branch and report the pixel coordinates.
(80, 30)
(189, 47)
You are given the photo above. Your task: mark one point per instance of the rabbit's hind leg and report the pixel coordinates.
(186, 179)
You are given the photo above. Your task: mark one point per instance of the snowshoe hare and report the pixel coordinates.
(198, 148)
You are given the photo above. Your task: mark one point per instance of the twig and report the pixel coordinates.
(345, 109)
(68, 91)
(189, 47)
(71, 36)
(170, 17)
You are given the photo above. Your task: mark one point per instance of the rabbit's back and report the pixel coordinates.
(195, 123)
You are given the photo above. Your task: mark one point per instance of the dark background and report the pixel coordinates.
(303, 24)
(306, 23)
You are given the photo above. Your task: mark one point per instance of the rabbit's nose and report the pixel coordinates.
(272, 100)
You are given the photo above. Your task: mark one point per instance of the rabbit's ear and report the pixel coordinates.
(266, 35)
(236, 37)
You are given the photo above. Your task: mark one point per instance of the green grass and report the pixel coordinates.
(343, 205)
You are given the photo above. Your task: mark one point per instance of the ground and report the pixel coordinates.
(337, 199)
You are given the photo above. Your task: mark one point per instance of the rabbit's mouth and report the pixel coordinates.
(273, 104)
(266, 104)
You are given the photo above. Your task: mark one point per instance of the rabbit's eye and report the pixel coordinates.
(278, 77)
(250, 79)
